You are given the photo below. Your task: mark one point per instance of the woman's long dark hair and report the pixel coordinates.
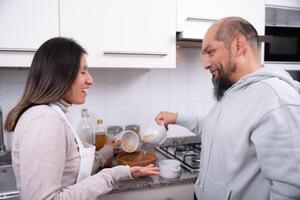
(53, 70)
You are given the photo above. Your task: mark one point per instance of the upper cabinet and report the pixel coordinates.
(285, 4)
(24, 26)
(284, 13)
(195, 16)
(122, 34)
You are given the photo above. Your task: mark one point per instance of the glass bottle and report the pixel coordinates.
(85, 130)
(100, 135)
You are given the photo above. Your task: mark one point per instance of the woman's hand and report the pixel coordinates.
(149, 170)
(113, 143)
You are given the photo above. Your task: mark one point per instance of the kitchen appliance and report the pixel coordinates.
(283, 44)
(282, 30)
(2, 146)
(187, 154)
(8, 189)
(5, 156)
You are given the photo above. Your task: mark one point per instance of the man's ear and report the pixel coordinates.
(240, 43)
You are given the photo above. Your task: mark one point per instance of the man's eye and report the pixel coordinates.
(210, 53)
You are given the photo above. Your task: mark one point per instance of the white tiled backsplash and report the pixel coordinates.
(131, 96)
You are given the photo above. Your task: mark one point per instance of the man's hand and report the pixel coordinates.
(166, 118)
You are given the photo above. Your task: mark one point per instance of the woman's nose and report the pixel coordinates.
(90, 80)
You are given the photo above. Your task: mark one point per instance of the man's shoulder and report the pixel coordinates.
(280, 88)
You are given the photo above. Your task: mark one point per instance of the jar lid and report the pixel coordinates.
(133, 127)
(114, 130)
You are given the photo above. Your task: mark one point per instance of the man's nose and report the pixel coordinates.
(206, 62)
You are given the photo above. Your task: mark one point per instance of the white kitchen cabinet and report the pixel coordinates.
(24, 26)
(122, 34)
(173, 192)
(287, 4)
(195, 16)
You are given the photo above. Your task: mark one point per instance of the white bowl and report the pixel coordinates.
(155, 134)
(169, 168)
(130, 141)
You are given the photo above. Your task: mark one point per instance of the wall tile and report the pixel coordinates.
(178, 91)
(131, 96)
(159, 92)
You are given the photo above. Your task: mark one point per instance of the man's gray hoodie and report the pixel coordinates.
(251, 140)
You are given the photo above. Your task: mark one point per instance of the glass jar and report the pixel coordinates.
(133, 127)
(113, 131)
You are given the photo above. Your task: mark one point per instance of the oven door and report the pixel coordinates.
(283, 44)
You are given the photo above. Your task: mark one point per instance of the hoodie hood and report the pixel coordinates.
(266, 73)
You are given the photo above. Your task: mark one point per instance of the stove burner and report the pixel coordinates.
(181, 148)
(195, 159)
(187, 154)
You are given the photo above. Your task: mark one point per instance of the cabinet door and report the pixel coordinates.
(24, 26)
(129, 33)
(195, 16)
(288, 4)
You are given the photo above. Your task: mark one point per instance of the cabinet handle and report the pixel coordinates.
(200, 19)
(132, 53)
(17, 50)
(9, 195)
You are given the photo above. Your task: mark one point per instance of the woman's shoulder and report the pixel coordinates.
(39, 112)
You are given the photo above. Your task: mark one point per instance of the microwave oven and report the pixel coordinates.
(283, 44)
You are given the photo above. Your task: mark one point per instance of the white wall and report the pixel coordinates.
(131, 96)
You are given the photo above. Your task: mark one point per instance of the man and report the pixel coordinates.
(251, 137)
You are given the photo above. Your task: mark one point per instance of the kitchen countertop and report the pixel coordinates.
(157, 181)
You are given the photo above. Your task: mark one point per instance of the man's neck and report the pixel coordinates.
(245, 67)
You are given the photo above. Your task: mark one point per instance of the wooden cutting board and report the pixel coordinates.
(138, 158)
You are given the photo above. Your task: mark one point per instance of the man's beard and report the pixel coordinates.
(223, 83)
(220, 87)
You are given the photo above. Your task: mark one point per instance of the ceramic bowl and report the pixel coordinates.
(169, 168)
(130, 141)
(155, 134)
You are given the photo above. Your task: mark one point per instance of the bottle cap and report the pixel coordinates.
(84, 112)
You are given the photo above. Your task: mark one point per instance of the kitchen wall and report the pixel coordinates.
(131, 96)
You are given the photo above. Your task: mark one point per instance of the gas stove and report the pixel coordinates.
(187, 154)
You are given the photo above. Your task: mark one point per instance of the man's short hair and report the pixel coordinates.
(231, 27)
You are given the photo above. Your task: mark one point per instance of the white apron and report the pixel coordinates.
(86, 153)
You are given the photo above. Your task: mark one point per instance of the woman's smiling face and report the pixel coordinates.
(79, 89)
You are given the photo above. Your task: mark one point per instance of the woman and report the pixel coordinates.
(49, 160)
